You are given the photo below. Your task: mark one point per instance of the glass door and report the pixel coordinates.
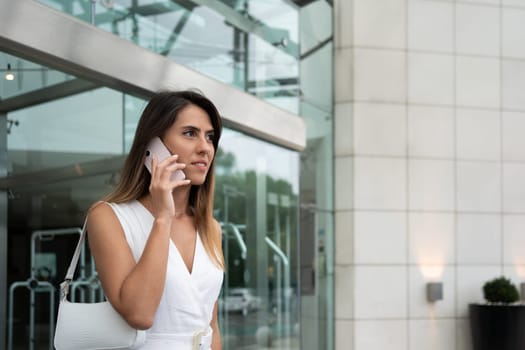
(257, 204)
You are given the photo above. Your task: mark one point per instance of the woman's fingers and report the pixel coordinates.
(171, 167)
(175, 166)
(161, 187)
(166, 169)
(177, 183)
(153, 166)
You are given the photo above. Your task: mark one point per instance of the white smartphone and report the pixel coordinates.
(156, 147)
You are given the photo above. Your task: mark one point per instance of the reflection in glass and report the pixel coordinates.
(79, 128)
(27, 77)
(253, 44)
(317, 198)
(65, 147)
(44, 224)
(133, 107)
(256, 203)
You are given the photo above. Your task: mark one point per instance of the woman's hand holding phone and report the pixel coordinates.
(166, 175)
(157, 148)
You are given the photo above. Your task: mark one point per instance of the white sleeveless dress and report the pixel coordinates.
(186, 305)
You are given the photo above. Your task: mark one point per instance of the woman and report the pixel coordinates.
(155, 243)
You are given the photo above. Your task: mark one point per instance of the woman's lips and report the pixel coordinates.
(200, 165)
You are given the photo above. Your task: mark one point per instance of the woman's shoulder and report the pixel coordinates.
(100, 210)
(102, 206)
(109, 216)
(103, 209)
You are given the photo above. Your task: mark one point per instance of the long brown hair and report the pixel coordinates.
(158, 116)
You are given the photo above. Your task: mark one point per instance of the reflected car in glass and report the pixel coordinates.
(241, 300)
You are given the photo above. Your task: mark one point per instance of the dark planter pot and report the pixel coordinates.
(497, 327)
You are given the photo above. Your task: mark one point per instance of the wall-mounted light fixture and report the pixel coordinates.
(434, 291)
(9, 75)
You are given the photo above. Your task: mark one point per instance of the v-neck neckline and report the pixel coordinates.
(174, 246)
(190, 273)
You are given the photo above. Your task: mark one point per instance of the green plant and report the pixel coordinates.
(500, 290)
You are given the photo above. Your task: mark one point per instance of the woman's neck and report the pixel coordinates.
(181, 198)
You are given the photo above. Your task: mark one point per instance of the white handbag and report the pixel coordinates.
(91, 326)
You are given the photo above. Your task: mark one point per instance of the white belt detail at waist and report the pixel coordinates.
(197, 341)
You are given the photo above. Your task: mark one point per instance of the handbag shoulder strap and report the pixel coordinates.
(64, 286)
(76, 255)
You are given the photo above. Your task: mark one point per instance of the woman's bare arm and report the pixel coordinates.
(134, 289)
(216, 338)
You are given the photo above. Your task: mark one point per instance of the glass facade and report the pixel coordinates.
(274, 204)
(60, 160)
(316, 211)
(253, 45)
(76, 162)
(256, 202)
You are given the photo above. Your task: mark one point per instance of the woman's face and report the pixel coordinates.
(191, 138)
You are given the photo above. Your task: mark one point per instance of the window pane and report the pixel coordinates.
(253, 44)
(256, 203)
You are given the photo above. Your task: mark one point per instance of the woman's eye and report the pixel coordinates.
(189, 133)
(210, 137)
